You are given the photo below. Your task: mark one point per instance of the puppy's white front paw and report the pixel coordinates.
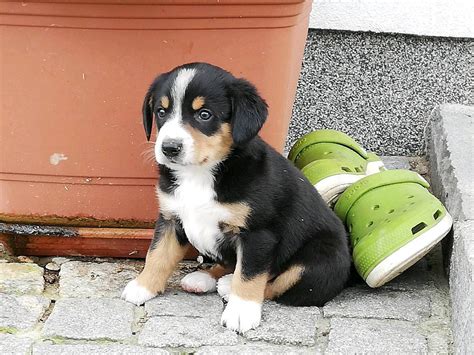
(241, 315)
(198, 282)
(136, 294)
(223, 286)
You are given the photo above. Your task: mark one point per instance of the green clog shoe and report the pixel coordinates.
(332, 161)
(393, 221)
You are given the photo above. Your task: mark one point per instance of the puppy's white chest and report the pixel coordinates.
(193, 201)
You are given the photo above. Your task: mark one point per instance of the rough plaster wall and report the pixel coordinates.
(379, 88)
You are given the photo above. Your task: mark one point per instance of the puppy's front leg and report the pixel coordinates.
(166, 250)
(244, 308)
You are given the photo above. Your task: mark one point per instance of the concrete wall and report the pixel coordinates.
(446, 18)
(379, 88)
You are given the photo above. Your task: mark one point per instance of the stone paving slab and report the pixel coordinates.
(286, 325)
(21, 312)
(171, 331)
(21, 278)
(13, 345)
(378, 303)
(190, 305)
(351, 336)
(89, 279)
(255, 349)
(83, 318)
(92, 349)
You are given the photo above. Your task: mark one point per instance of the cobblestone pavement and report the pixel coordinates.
(78, 311)
(73, 306)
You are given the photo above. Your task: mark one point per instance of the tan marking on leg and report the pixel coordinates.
(165, 101)
(198, 102)
(284, 282)
(211, 148)
(251, 289)
(217, 271)
(162, 261)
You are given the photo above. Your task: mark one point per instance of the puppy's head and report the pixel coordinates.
(201, 112)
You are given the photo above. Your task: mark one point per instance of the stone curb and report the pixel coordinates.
(451, 151)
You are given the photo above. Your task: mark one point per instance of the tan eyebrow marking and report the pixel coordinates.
(198, 102)
(165, 101)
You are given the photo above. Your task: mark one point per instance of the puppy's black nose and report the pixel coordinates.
(171, 148)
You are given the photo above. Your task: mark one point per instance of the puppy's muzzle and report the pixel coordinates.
(172, 148)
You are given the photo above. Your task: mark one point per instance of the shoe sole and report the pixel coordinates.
(331, 187)
(409, 254)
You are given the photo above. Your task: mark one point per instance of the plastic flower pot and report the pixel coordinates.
(73, 78)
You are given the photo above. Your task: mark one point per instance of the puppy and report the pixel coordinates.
(236, 200)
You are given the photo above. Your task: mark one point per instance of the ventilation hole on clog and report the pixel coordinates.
(370, 224)
(437, 214)
(345, 168)
(357, 169)
(410, 196)
(326, 153)
(350, 228)
(412, 203)
(391, 211)
(375, 207)
(419, 227)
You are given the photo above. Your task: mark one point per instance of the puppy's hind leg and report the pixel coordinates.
(273, 289)
(203, 281)
(162, 258)
(283, 282)
(317, 276)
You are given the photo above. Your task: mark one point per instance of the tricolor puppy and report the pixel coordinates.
(236, 200)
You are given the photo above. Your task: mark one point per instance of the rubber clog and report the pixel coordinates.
(332, 161)
(393, 221)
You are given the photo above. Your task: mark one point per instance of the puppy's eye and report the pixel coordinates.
(205, 115)
(161, 112)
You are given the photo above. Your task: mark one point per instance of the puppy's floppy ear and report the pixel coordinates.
(147, 111)
(249, 111)
(149, 104)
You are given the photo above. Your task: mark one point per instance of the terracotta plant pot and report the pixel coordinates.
(73, 78)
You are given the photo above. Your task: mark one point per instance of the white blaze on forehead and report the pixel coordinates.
(178, 90)
(173, 128)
